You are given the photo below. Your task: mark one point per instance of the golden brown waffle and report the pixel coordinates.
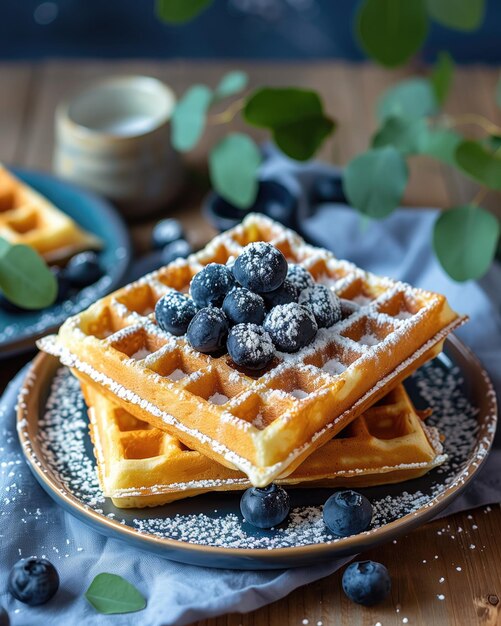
(26, 217)
(263, 424)
(140, 466)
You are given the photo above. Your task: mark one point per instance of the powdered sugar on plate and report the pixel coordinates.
(68, 453)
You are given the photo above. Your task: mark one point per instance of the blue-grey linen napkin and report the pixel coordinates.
(31, 524)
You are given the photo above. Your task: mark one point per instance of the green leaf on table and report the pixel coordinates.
(457, 14)
(403, 134)
(234, 164)
(408, 99)
(465, 239)
(441, 76)
(189, 117)
(25, 278)
(110, 594)
(374, 182)
(180, 11)
(479, 163)
(440, 143)
(231, 84)
(391, 31)
(295, 116)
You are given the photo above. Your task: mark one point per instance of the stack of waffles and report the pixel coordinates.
(28, 218)
(168, 422)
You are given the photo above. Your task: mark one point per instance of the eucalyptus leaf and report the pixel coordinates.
(295, 117)
(231, 84)
(111, 594)
(440, 143)
(189, 118)
(374, 182)
(391, 31)
(180, 11)
(457, 14)
(403, 134)
(408, 99)
(479, 163)
(465, 239)
(441, 77)
(25, 278)
(234, 164)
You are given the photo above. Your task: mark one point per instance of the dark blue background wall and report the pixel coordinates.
(230, 28)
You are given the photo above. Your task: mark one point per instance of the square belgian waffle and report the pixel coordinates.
(139, 465)
(263, 424)
(26, 217)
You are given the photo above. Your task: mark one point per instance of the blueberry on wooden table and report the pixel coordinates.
(33, 581)
(174, 312)
(250, 346)
(210, 286)
(165, 232)
(260, 267)
(366, 582)
(265, 507)
(347, 513)
(208, 330)
(83, 269)
(243, 306)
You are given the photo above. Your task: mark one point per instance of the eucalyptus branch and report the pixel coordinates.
(228, 114)
(474, 118)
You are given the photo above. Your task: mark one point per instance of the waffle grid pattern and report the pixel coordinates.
(268, 421)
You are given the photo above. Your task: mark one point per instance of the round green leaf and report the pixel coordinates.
(403, 134)
(234, 164)
(25, 279)
(391, 31)
(189, 118)
(111, 594)
(441, 77)
(231, 84)
(457, 14)
(180, 11)
(409, 99)
(295, 117)
(464, 239)
(374, 182)
(479, 163)
(440, 143)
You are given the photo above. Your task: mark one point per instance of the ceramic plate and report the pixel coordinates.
(19, 331)
(209, 530)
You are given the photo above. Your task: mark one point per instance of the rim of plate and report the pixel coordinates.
(41, 373)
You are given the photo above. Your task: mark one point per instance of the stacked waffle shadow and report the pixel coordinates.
(263, 422)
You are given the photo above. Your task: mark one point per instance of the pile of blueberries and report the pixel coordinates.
(81, 271)
(345, 513)
(252, 307)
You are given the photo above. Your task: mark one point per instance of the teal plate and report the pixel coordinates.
(208, 529)
(19, 331)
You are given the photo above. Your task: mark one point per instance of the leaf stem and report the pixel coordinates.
(480, 195)
(228, 114)
(474, 118)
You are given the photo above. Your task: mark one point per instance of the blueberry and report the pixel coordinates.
(300, 277)
(176, 250)
(323, 303)
(277, 202)
(83, 269)
(211, 284)
(243, 306)
(260, 267)
(174, 312)
(347, 513)
(33, 581)
(166, 232)
(265, 507)
(287, 292)
(208, 330)
(291, 326)
(63, 283)
(249, 345)
(4, 617)
(327, 188)
(366, 582)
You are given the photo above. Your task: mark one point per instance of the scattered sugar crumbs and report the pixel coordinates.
(64, 441)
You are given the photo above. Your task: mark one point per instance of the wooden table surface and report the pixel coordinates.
(447, 572)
